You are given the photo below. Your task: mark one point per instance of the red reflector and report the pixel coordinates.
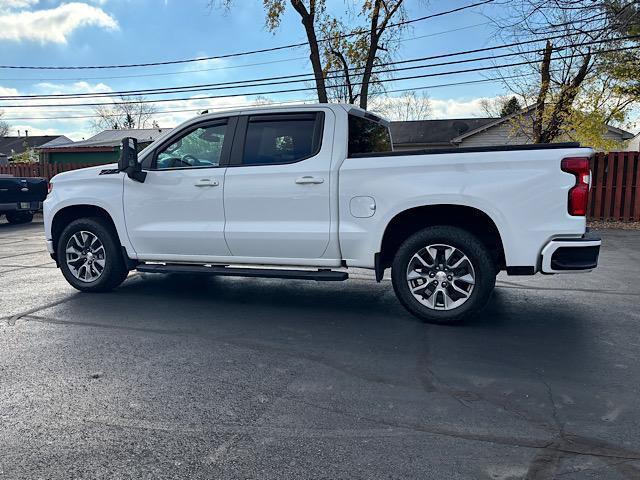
(579, 194)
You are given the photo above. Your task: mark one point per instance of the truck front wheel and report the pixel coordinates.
(443, 274)
(90, 257)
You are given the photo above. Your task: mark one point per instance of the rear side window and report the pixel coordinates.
(367, 136)
(282, 138)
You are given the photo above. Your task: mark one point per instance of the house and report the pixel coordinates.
(634, 144)
(99, 149)
(17, 145)
(418, 134)
(475, 132)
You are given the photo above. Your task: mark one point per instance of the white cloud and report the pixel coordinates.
(6, 5)
(51, 25)
(76, 87)
(457, 108)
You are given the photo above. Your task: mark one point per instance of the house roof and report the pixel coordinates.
(109, 139)
(623, 133)
(434, 132)
(10, 146)
(61, 140)
(497, 121)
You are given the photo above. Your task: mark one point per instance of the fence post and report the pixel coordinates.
(636, 206)
(600, 161)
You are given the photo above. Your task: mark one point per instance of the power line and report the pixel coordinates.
(199, 70)
(288, 79)
(238, 54)
(287, 102)
(272, 92)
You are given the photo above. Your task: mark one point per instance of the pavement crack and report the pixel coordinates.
(22, 254)
(519, 286)
(11, 321)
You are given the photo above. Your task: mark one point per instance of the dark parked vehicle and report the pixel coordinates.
(20, 198)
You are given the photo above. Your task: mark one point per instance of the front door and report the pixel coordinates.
(277, 186)
(177, 213)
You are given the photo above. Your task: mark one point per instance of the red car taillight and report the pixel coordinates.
(579, 194)
(49, 187)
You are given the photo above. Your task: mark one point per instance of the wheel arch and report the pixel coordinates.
(412, 220)
(66, 215)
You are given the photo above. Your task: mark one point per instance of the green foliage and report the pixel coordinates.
(590, 128)
(510, 107)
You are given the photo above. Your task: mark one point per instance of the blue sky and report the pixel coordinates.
(95, 32)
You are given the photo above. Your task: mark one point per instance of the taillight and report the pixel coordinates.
(49, 187)
(579, 194)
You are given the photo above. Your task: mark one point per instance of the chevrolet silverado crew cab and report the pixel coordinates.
(303, 192)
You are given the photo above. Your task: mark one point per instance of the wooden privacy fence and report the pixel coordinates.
(38, 170)
(615, 194)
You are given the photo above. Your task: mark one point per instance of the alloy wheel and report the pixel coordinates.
(85, 256)
(441, 277)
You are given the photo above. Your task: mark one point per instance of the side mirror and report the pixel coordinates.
(128, 161)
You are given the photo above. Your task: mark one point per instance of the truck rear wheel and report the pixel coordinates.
(19, 217)
(443, 274)
(90, 257)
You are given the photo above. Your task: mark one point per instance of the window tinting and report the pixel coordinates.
(201, 147)
(274, 139)
(366, 136)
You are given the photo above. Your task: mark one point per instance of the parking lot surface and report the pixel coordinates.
(194, 377)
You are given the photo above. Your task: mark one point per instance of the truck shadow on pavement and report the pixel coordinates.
(515, 329)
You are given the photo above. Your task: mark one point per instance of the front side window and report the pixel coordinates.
(201, 147)
(286, 138)
(367, 136)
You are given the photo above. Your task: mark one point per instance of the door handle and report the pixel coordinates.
(206, 182)
(309, 180)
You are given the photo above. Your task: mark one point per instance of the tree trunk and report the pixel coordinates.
(538, 119)
(375, 33)
(371, 56)
(347, 76)
(562, 108)
(308, 19)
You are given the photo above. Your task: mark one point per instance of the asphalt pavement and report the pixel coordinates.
(193, 377)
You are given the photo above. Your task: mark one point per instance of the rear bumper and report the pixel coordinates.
(571, 255)
(21, 207)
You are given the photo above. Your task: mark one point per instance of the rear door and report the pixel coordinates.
(277, 186)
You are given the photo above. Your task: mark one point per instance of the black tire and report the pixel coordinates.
(17, 218)
(115, 270)
(477, 254)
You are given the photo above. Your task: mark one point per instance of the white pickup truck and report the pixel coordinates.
(303, 192)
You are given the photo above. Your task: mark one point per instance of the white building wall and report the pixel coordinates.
(502, 134)
(634, 144)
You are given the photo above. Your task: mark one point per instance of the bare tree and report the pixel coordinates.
(410, 106)
(128, 112)
(502, 106)
(350, 47)
(4, 126)
(558, 81)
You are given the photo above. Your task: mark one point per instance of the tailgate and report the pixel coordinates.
(13, 190)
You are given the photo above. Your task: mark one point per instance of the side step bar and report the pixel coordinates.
(318, 275)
